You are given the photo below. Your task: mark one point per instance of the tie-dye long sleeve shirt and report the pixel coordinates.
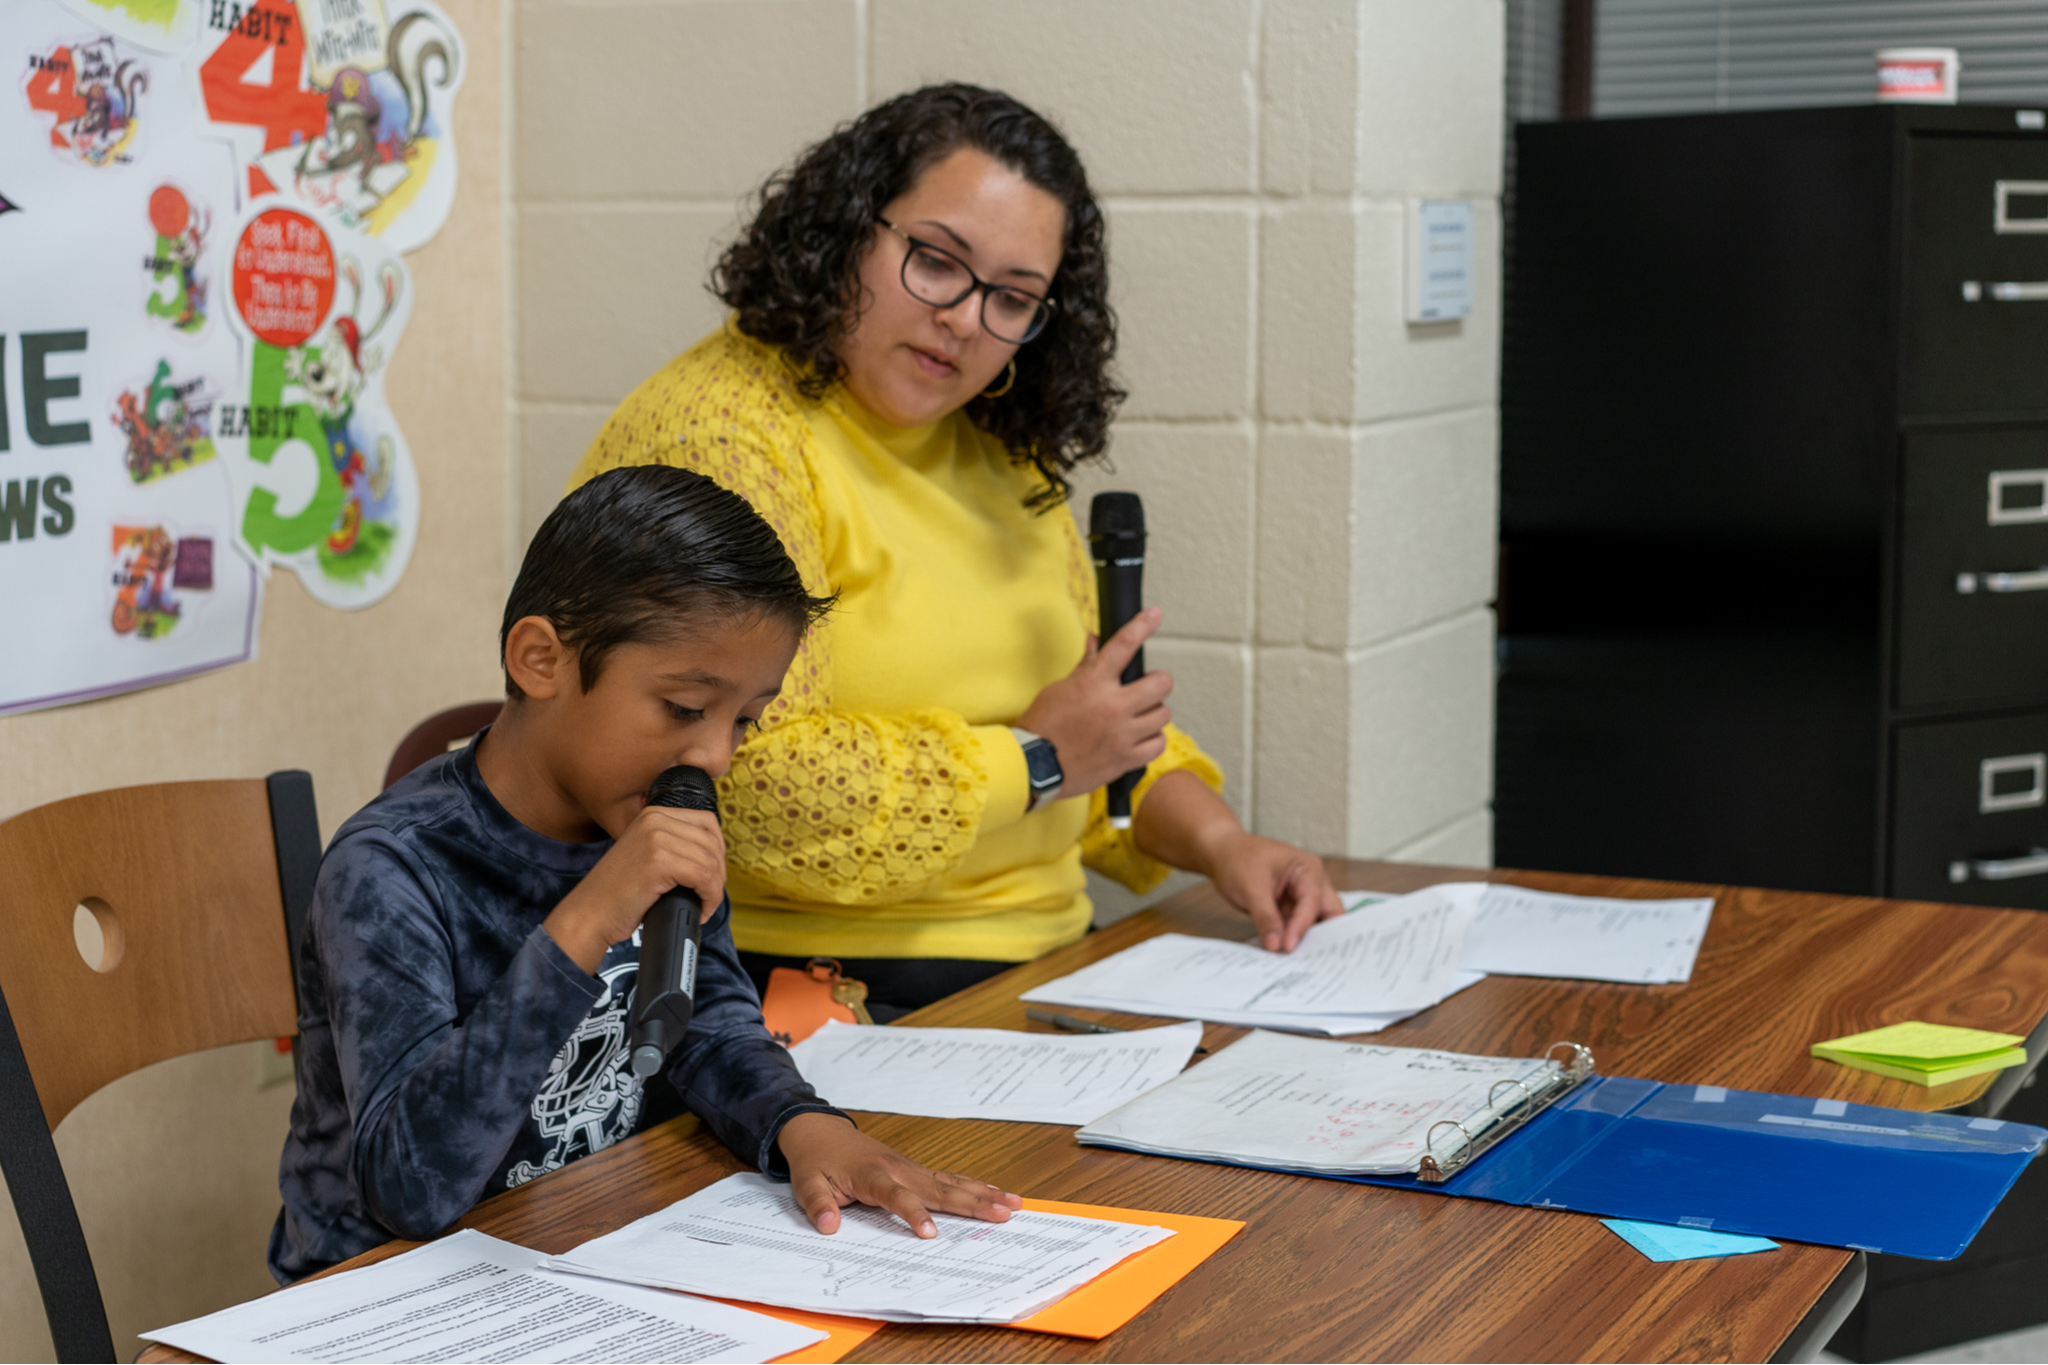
(449, 1048)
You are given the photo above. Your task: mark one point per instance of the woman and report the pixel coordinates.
(918, 354)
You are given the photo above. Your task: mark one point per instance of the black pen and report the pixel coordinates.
(1073, 1025)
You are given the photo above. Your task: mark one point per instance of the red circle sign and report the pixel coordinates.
(168, 211)
(283, 276)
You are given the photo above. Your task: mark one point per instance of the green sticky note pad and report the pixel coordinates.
(1928, 1045)
(1666, 1242)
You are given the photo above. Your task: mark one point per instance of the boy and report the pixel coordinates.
(466, 980)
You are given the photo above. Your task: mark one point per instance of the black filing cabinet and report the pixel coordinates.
(1774, 574)
(1774, 523)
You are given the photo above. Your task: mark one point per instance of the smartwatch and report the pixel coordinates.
(1042, 763)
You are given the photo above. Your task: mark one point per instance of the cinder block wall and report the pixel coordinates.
(1320, 476)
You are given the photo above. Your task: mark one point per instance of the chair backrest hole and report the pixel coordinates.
(96, 929)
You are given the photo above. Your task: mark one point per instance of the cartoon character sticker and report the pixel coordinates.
(92, 92)
(333, 370)
(152, 575)
(165, 425)
(337, 109)
(324, 308)
(180, 277)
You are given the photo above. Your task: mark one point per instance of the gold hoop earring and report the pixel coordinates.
(1009, 382)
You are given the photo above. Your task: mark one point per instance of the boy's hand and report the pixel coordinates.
(662, 849)
(833, 1164)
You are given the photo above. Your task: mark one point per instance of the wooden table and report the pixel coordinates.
(1332, 1271)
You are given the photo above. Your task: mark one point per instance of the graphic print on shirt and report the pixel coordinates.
(591, 1098)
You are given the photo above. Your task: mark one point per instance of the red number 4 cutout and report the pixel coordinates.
(281, 107)
(52, 89)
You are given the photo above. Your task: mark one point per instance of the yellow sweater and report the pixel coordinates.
(879, 811)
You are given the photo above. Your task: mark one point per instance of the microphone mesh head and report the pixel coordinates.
(1116, 514)
(684, 788)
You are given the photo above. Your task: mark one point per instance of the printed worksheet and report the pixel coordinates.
(986, 1073)
(1518, 932)
(473, 1297)
(746, 1238)
(1328, 1025)
(1307, 1104)
(1401, 954)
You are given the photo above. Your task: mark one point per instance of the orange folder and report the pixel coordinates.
(841, 1334)
(1128, 1288)
(1093, 1311)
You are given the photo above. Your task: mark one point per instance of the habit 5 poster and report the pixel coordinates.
(204, 206)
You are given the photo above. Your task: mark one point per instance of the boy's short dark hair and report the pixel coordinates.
(637, 554)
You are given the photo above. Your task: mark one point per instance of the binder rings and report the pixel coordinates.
(1806, 1170)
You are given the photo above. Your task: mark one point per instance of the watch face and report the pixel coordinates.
(1043, 763)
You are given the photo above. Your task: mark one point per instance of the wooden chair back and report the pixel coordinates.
(183, 878)
(432, 737)
(199, 891)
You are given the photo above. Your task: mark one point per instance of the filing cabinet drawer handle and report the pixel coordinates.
(2006, 291)
(2034, 864)
(2016, 497)
(1997, 792)
(2028, 580)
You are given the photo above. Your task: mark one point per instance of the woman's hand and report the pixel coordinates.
(833, 1164)
(1284, 890)
(1102, 727)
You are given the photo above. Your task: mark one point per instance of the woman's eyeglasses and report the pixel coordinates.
(935, 276)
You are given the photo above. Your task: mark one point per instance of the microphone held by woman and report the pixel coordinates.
(1116, 540)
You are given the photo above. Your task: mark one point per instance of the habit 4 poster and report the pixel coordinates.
(204, 206)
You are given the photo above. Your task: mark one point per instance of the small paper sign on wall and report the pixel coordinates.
(1439, 259)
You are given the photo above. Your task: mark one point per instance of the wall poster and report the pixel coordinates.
(204, 206)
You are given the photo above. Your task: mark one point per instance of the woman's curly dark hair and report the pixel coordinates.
(791, 275)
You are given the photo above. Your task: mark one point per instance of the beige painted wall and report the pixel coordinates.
(175, 1168)
(1320, 476)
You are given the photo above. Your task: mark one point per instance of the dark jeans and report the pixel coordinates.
(896, 985)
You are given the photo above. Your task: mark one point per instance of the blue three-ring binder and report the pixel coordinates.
(1807, 1170)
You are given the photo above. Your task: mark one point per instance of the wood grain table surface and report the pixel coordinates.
(1327, 1270)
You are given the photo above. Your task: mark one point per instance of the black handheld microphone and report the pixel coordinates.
(666, 995)
(1116, 538)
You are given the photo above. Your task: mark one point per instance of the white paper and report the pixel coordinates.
(1399, 955)
(1309, 1105)
(986, 1073)
(1519, 932)
(1327, 1025)
(745, 1238)
(473, 1297)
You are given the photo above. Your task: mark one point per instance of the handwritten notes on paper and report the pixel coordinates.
(1392, 956)
(1519, 932)
(985, 1073)
(1306, 1104)
(1350, 975)
(745, 1238)
(473, 1297)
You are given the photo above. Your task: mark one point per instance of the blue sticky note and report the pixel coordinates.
(1665, 1242)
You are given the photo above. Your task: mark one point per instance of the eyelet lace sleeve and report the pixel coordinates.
(821, 805)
